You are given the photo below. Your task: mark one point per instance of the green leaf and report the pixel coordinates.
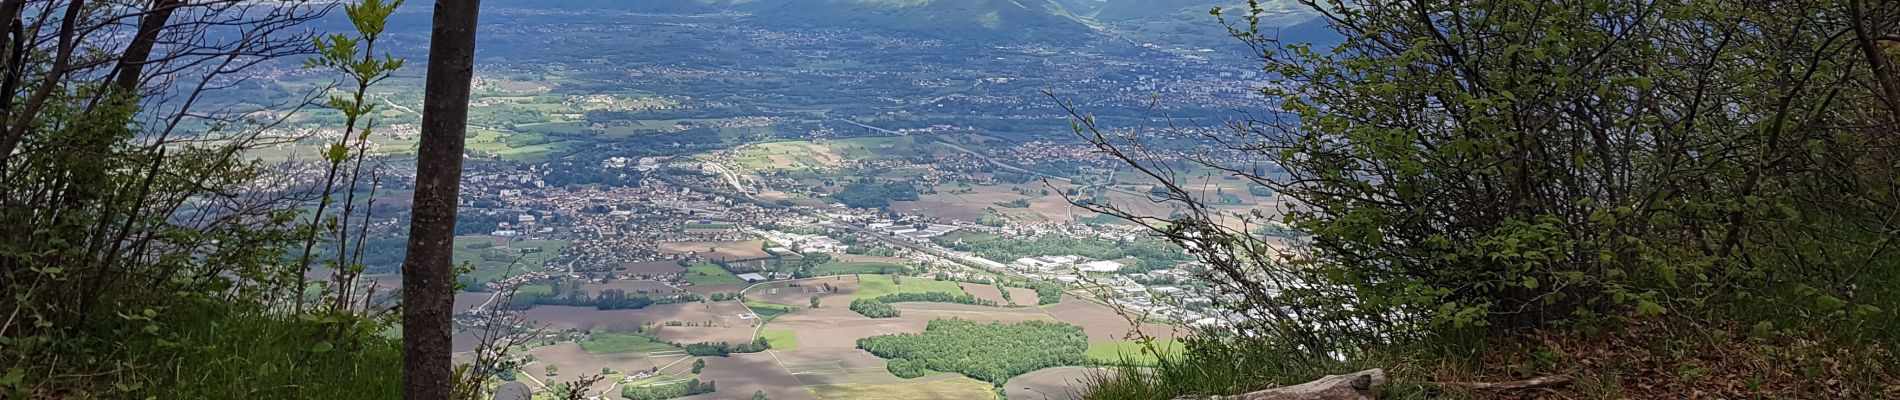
(321, 347)
(1829, 303)
(1646, 308)
(1762, 330)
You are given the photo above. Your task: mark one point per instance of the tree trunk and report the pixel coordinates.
(428, 279)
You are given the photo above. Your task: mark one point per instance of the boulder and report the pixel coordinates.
(513, 391)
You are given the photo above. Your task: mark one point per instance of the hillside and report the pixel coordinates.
(962, 20)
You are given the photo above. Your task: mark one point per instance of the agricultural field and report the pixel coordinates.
(1059, 383)
(945, 386)
(570, 360)
(854, 268)
(874, 286)
(495, 257)
(1017, 296)
(729, 251)
(709, 275)
(653, 268)
(740, 374)
(600, 343)
(1102, 323)
(1133, 352)
(781, 339)
(696, 322)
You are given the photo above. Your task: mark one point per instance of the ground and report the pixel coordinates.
(945, 387)
(729, 251)
(1059, 383)
(739, 375)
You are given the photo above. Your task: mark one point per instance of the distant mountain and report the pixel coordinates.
(962, 20)
(641, 6)
(1186, 23)
(1279, 13)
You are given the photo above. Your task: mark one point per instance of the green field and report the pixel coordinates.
(767, 311)
(781, 339)
(874, 286)
(617, 343)
(853, 268)
(1131, 352)
(492, 263)
(709, 274)
(953, 388)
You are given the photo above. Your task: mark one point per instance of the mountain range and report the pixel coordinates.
(981, 21)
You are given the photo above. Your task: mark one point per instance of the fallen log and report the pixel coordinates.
(1362, 385)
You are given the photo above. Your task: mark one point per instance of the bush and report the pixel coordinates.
(873, 308)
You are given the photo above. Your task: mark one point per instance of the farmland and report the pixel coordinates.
(709, 274)
(874, 286)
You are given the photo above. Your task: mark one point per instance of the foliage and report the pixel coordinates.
(991, 352)
(936, 297)
(142, 240)
(721, 349)
(1046, 292)
(1503, 169)
(873, 308)
(868, 194)
(668, 391)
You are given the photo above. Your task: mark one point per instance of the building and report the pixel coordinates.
(1100, 266)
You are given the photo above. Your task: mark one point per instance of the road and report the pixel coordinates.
(732, 178)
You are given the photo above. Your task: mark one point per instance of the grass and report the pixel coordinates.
(1132, 352)
(954, 388)
(710, 274)
(768, 311)
(853, 268)
(618, 343)
(205, 352)
(874, 286)
(781, 339)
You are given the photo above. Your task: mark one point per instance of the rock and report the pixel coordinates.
(513, 391)
(1362, 385)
